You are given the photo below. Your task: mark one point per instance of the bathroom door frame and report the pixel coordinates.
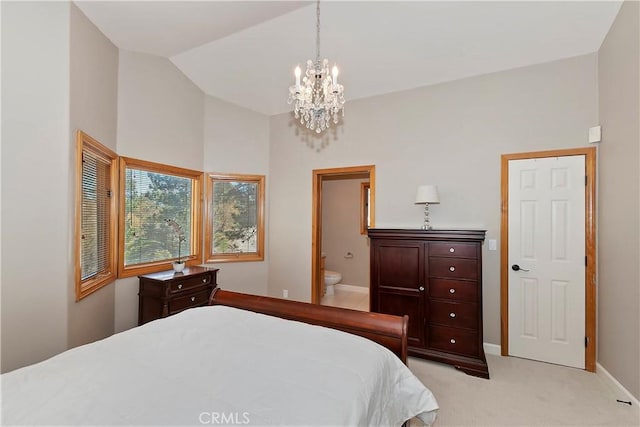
(319, 176)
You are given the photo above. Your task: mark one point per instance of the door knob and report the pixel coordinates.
(421, 288)
(516, 267)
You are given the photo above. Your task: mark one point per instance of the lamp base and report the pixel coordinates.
(427, 223)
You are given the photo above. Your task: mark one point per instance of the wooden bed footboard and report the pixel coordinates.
(385, 329)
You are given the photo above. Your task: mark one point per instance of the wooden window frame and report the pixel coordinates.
(196, 216)
(208, 238)
(84, 288)
(364, 207)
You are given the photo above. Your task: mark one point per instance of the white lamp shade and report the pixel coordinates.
(427, 194)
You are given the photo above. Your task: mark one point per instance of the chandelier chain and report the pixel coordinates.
(318, 32)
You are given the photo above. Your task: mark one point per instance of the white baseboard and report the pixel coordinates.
(615, 384)
(352, 288)
(492, 349)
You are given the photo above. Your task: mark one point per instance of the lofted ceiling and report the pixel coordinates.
(244, 52)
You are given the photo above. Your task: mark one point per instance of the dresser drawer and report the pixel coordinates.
(455, 314)
(453, 340)
(456, 268)
(190, 282)
(460, 250)
(454, 290)
(434, 276)
(194, 300)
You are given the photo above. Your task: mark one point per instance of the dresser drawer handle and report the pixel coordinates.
(452, 315)
(193, 299)
(452, 291)
(452, 268)
(452, 341)
(452, 250)
(204, 280)
(180, 286)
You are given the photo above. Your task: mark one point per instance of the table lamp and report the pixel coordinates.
(427, 194)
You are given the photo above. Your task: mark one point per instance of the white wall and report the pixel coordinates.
(236, 140)
(341, 231)
(93, 109)
(619, 198)
(36, 255)
(450, 135)
(160, 119)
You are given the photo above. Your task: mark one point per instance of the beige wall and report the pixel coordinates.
(236, 140)
(93, 109)
(450, 135)
(341, 231)
(153, 112)
(36, 200)
(160, 119)
(619, 198)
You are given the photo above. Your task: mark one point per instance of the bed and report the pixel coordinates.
(240, 360)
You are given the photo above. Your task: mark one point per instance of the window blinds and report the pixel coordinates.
(235, 221)
(150, 199)
(96, 195)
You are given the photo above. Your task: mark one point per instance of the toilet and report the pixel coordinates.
(331, 279)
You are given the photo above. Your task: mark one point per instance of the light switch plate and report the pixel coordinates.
(595, 134)
(493, 244)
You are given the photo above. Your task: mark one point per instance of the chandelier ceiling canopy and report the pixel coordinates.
(319, 99)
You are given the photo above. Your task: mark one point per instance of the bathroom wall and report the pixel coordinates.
(341, 231)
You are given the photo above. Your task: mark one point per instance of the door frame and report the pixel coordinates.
(320, 175)
(590, 246)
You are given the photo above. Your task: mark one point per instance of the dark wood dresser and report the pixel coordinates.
(167, 292)
(435, 277)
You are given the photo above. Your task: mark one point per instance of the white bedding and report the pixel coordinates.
(219, 365)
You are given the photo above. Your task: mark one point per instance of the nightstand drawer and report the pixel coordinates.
(453, 340)
(190, 282)
(455, 268)
(454, 314)
(460, 250)
(454, 290)
(167, 292)
(194, 300)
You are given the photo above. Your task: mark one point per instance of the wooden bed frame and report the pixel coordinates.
(385, 329)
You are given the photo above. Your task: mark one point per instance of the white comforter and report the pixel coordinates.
(219, 365)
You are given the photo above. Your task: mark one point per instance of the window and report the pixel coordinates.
(96, 215)
(153, 193)
(235, 221)
(365, 212)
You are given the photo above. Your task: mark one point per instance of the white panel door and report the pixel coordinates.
(547, 259)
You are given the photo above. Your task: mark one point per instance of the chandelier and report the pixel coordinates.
(319, 98)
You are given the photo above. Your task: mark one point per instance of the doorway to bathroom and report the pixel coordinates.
(343, 210)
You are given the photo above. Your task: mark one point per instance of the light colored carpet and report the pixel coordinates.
(523, 393)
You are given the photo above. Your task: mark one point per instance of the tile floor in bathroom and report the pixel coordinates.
(347, 299)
